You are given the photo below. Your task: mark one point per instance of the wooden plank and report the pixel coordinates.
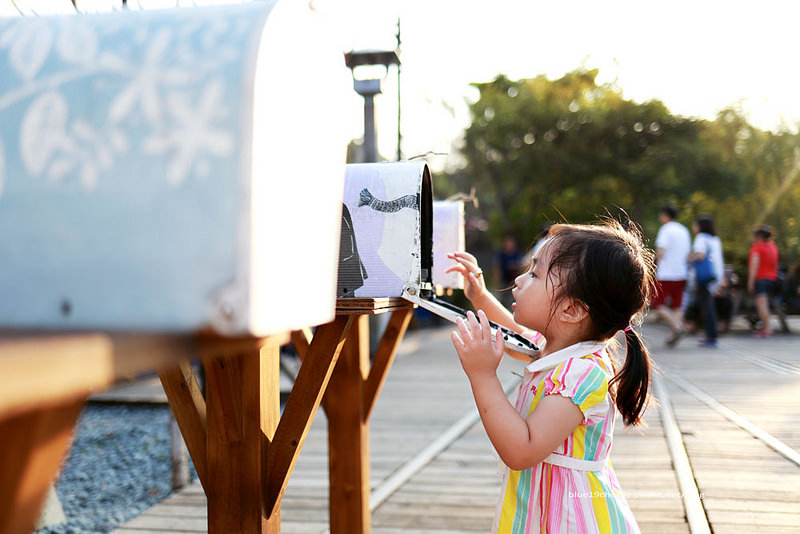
(384, 356)
(746, 500)
(749, 518)
(137, 352)
(695, 513)
(301, 339)
(32, 448)
(356, 306)
(242, 402)
(303, 402)
(49, 371)
(268, 401)
(464, 476)
(348, 435)
(189, 408)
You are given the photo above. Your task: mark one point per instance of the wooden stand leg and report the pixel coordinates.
(189, 408)
(348, 434)
(319, 360)
(243, 408)
(32, 447)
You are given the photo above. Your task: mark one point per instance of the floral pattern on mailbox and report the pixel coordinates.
(164, 93)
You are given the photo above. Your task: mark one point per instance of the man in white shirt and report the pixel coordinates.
(673, 245)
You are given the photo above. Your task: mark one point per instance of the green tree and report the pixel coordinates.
(571, 149)
(767, 191)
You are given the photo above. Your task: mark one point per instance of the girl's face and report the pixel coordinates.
(534, 291)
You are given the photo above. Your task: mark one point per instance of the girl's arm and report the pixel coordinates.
(475, 290)
(520, 442)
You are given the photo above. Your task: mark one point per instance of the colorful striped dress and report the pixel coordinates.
(574, 490)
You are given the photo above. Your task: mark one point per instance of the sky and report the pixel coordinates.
(695, 56)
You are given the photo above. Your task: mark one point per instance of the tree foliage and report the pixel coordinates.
(542, 150)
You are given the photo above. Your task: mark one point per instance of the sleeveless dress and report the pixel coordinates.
(574, 490)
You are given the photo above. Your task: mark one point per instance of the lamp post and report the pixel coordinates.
(359, 62)
(363, 64)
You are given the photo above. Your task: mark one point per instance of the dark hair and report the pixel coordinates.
(610, 271)
(706, 225)
(763, 232)
(544, 230)
(670, 211)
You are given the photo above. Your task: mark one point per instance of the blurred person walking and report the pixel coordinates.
(673, 245)
(709, 268)
(762, 275)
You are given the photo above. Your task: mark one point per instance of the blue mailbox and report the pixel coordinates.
(171, 170)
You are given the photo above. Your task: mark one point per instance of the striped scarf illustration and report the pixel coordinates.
(391, 206)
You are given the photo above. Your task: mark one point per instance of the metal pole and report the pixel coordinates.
(399, 134)
(370, 141)
(179, 455)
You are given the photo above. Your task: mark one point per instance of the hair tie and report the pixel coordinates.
(627, 328)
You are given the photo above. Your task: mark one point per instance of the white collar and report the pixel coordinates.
(581, 349)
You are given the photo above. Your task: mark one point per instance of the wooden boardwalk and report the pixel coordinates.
(745, 485)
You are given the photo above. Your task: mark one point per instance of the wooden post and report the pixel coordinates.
(32, 448)
(189, 411)
(243, 408)
(348, 434)
(179, 456)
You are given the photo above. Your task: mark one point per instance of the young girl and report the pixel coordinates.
(585, 284)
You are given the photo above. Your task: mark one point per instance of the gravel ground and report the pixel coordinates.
(118, 466)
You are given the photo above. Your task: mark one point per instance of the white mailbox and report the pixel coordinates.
(448, 237)
(387, 229)
(171, 170)
(388, 239)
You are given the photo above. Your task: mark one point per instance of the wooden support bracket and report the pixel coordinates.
(301, 339)
(319, 360)
(189, 407)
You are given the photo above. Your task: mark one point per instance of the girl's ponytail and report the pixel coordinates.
(633, 380)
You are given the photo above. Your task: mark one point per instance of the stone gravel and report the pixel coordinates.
(117, 467)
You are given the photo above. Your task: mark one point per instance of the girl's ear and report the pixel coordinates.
(573, 311)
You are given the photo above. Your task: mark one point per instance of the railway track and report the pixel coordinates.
(691, 483)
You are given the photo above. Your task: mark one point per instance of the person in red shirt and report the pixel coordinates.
(762, 275)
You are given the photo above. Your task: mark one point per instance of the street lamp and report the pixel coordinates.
(361, 63)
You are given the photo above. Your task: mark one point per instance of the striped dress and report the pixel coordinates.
(574, 490)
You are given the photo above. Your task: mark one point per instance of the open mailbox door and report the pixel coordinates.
(387, 240)
(426, 299)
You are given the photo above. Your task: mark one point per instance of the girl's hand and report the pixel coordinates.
(467, 266)
(479, 353)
